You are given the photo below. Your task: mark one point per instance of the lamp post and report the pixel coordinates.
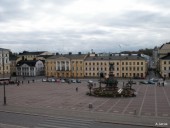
(3, 77)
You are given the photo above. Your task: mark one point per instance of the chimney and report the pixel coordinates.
(70, 53)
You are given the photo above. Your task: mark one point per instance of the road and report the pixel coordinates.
(38, 121)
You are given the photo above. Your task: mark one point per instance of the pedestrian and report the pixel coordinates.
(17, 83)
(22, 82)
(76, 89)
(159, 83)
(28, 81)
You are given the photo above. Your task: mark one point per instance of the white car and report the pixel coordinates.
(63, 81)
(44, 80)
(73, 81)
(90, 81)
(51, 80)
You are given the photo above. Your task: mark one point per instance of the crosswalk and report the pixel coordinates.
(65, 123)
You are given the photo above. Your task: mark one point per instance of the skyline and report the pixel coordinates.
(77, 25)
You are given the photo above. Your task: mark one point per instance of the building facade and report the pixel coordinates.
(13, 63)
(164, 66)
(4, 63)
(68, 65)
(124, 66)
(58, 66)
(30, 68)
(26, 55)
(164, 50)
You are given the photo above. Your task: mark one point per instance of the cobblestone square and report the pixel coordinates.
(151, 100)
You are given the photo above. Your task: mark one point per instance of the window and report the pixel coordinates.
(141, 63)
(137, 63)
(164, 62)
(122, 63)
(164, 68)
(126, 63)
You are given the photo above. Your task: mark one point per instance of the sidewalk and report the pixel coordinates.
(96, 116)
(10, 126)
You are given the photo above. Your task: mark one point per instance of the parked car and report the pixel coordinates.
(73, 80)
(90, 81)
(57, 80)
(143, 82)
(44, 80)
(154, 80)
(151, 82)
(62, 81)
(51, 80)
(78, 81)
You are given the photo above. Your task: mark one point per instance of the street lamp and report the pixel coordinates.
(3, 77)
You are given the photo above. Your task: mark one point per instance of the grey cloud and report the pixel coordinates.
(12, 9)
(161, 3)
(135, 19)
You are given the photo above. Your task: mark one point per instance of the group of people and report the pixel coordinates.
(19, 82)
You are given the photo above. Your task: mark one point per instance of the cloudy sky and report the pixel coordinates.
(82, 25)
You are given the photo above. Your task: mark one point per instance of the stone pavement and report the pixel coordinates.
(151, 106)
(10, 126)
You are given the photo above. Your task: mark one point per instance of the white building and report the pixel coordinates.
(30, 68)
(4, 62)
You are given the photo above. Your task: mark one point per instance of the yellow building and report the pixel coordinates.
(164, 66)
(124, 66)
(68, 65)
(32, 55)
(164, 50)
(77, 65)
(4, 63)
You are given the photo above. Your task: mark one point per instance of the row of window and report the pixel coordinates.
(166, 68)
(114, 63)
(5, 68)
(4, 55)
(166, 62)
(24, 69)
(98, 63)
(118, 74)
(116, 69)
